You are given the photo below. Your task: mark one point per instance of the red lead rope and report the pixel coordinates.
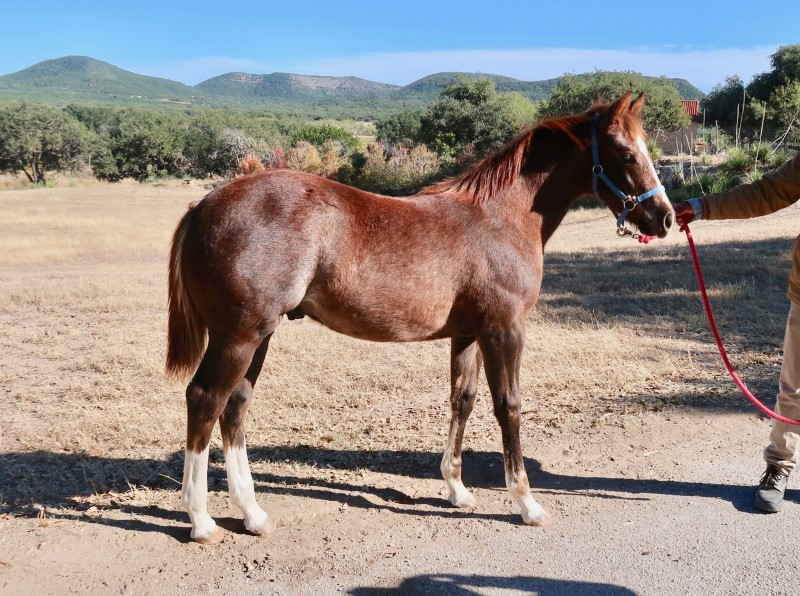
(707, 306)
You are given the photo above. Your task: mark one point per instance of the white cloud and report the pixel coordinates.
(702, 67)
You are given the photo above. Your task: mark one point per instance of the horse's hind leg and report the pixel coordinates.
(465, 363)
(240, 481)
(221, 371)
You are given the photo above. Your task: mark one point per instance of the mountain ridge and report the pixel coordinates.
(82, 79)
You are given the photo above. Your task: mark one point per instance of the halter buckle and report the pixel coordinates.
(630, 203)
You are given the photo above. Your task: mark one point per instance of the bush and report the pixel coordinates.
(703, 185)
(654, 149)
(737, 161)
(715, 139)
(321, 135)
(249, 164)
(398, 170)
(305, 157)
(758, 152)
(752, 176)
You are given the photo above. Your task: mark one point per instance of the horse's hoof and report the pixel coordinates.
(464, 501)
(542, 519)
(265, 527)
(213, 537)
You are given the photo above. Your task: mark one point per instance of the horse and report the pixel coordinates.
(462, 259)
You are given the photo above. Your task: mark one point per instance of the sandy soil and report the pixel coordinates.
(651, 500)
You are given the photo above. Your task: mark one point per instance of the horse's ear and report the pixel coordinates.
(636, 106)
(620, 106)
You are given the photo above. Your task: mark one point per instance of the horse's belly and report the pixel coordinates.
(381, 320)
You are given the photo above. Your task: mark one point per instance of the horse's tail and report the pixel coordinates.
(186, 333)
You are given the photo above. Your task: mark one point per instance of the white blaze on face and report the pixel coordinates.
(643, 149)
(656, 182)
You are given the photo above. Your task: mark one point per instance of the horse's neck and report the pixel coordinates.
(553, 185)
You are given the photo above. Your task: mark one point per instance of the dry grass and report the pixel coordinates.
(87, 415)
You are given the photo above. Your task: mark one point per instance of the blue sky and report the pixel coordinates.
(399, 42)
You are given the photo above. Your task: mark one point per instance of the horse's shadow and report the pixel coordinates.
(657, 290)
(31, 481)
(465, 585)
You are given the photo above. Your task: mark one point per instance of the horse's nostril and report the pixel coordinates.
(668, 221)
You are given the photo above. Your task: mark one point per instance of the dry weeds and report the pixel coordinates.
(88, 420)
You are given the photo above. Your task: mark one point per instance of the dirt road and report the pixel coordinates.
(654, 505)
(637, 444)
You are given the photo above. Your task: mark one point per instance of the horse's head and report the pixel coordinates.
(623, 174)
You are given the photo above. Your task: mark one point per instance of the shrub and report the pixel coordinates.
(778, 158)
(275, 159)
(759, 152)
(305, 157)
(654, 149)
(249, 164)
(752, 176)
(722, 183)
(397, 170)
(703, 185)
(321, 135)
(737, 161)
(715, 139)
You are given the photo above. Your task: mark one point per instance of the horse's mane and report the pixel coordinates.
(498, 171)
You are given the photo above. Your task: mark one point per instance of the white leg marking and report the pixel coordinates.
(242, 491)
(451, 472)
(195, 494)
(533, 514)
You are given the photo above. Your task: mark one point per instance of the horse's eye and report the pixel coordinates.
(628, 158)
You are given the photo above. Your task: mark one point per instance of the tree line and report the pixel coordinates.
(409, 149)
(771, 99)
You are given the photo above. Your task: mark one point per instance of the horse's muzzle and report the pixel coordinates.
(669, 219)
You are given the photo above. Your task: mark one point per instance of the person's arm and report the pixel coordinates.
(774, 191)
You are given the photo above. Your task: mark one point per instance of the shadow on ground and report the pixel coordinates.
(25, 492)
(656, 288)
(476, 584)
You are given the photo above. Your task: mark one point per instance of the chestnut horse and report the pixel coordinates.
(461, 260)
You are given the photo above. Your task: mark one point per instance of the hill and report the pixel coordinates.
(291, 87)
(86, 80)
(79, 78)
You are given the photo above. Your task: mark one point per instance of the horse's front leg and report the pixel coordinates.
(465, 364)
(502, 352)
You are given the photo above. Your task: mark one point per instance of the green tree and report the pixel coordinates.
(778, 88)
(470, 114)
(783, 108)
(785, 69)
(203, 146)
(140, 144)
(576, 94)
(402, 127)
(724, 101)
(37, 139)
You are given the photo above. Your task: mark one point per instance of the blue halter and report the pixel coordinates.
(629, 202)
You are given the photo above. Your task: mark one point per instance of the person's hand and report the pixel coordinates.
(684, 212)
